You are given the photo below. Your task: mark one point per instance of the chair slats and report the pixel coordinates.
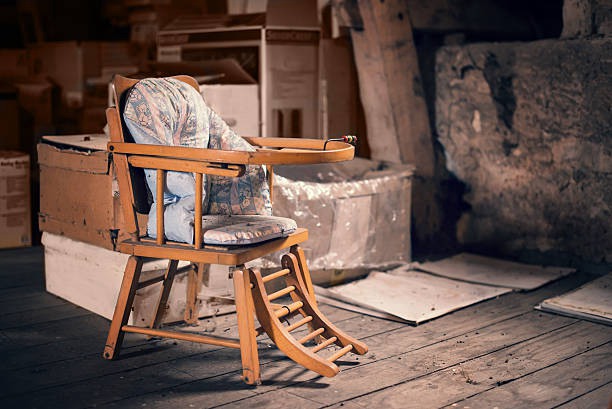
(281, 293)
(299, 323)
(288, 309)
(273, 276)
(340, 353)
(160, 206)
(312, 335)
(198, 212)
(324, 344)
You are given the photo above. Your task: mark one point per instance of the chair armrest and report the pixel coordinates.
(186, 165)
(181, 152)
(269, 151)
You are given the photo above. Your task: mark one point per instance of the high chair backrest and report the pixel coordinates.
(130, 179)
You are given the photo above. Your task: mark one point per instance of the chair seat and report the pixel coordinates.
(240, 230)
(210, 254)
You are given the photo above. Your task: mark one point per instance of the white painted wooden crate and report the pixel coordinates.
(90, 277)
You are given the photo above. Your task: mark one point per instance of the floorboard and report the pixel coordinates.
(500, 352)
(552, 385)
(594, 399)
(491, 370)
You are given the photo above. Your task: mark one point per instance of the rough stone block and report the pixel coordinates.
(585, 18)
(527, 127)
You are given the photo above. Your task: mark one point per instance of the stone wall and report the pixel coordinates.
(528, 128)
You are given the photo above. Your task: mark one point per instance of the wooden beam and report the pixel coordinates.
(390, 83)
(444, 16)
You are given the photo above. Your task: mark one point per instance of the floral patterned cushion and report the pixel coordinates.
(240, 230)
(170, 112)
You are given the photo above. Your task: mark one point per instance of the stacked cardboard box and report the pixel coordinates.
(82, 225)
(90, 213)
(82, 71)
(15, 199)
(279, 48)
(146, 17)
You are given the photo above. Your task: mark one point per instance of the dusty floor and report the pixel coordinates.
(500, 353)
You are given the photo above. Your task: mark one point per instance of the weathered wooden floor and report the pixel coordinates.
(500, 353)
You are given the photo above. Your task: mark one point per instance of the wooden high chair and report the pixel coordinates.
(251, 297)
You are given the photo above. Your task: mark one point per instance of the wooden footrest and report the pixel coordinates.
(322, 329)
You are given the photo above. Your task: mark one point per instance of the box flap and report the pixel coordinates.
(224, 71)
(94, 142)
(73, 158)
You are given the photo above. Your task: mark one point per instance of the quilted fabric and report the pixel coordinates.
(170, 112)
(240, 230)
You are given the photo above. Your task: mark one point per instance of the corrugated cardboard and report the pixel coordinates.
(77, 190)
(278, 48)
(15, 199)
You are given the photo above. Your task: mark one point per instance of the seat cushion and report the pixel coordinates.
(228, 230)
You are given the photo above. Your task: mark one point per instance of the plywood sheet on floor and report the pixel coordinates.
(411, 295)
(592, 301)
(487, 270)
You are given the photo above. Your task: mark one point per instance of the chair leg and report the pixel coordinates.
(194, 285)
(123, 307)
(303, 268)
(246, 327)
(164, 294)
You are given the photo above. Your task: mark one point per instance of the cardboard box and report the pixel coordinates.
(71, 63)
(9, 118)
(246, 6)
(15, 199)
(351, 210)
(14, 64)
(279, 48)
(35, 98)
(90, 277)
(78, 194)
(340, 105)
